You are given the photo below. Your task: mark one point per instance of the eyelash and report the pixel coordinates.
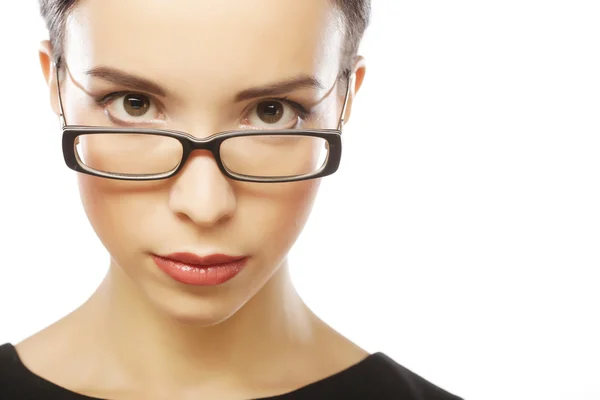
(303, 112)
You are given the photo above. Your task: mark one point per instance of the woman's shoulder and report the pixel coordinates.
(368, 375)
(32, 365)
(17, 381)
(395, 379)
(377, 376)
(8, 359)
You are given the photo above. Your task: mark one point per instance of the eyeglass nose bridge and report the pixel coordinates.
(193, 143)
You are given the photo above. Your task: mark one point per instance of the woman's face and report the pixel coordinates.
(202, 54)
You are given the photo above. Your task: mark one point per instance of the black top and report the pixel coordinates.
(376, 377)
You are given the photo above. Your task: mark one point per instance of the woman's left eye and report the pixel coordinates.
(131, 108)
(275, 114)
(135, 105)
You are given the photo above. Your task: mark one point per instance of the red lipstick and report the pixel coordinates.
(192, 269)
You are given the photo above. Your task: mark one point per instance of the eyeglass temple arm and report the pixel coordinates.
(63, 121)
(343, 114)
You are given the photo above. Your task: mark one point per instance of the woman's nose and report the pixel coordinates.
(201, 192)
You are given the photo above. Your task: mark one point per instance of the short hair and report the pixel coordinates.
(355, 13)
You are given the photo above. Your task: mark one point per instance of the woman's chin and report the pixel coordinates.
(197, 312)
(193, 307)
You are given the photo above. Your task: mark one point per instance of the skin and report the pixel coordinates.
(142, 334)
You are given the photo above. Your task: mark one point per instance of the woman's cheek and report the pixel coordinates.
(276, 217)
(118, 212)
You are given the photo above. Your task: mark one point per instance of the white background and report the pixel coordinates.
(461, 235)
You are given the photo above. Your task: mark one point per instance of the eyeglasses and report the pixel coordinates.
(132, 154)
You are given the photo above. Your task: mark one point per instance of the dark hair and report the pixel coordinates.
(356, 14)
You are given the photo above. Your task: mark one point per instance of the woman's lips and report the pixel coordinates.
(192, 269)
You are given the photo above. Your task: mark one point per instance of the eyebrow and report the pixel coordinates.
(123, 78)
(279, 88)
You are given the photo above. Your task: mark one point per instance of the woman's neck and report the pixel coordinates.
(272, 327)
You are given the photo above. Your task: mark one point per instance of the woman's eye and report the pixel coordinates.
(270, 112)
(273, 114)
(135, 105)
(133, 108)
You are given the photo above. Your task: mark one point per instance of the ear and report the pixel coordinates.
(49, 71)
(358, 71)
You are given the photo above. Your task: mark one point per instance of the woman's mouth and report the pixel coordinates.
(192, 269)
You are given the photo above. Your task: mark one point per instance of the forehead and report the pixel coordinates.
(213, 41)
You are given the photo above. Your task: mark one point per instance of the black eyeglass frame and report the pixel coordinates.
(212, 143)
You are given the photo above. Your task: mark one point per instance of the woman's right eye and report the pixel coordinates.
(132, 108)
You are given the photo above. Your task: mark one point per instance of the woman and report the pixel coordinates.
(200, 131)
